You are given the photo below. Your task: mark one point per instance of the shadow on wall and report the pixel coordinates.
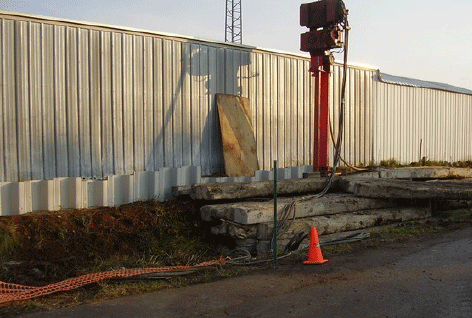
(190, 133)
(96, 103)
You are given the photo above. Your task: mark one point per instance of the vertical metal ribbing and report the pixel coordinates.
(274, 232)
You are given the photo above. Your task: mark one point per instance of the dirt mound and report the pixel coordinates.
(43, 247)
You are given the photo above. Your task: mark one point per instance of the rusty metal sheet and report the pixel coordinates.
(239, 144)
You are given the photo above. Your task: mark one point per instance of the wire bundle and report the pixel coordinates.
(243, 257)
(288, 212)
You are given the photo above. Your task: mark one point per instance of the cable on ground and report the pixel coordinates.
(243, 257)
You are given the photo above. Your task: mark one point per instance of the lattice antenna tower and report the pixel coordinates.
(234, 22)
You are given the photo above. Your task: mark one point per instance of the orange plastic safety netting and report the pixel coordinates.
(12, 292)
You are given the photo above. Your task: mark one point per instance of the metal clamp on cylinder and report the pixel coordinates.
(323, 18)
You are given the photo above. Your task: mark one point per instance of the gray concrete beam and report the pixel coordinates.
(404, 189)
(426, 173)
(325, 224)
(243, 190)
(258, 189)
(259, 212)
(343, 222)
(414, 173)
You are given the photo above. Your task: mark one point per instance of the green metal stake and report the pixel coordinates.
(274, 240)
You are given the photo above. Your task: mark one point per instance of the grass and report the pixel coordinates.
(395, 163)
(396, 233)
(338, 249)
(391, 163)
(144, 233)
(404, 232)
(8, 240)
(110, 290)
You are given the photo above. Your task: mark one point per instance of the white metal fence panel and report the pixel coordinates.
(358, 133)
(90, 101)
(413, 122)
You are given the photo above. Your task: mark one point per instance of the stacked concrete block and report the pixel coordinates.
(367, 200)
(250, 223)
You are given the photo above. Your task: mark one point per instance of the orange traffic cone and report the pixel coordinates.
(314, 250)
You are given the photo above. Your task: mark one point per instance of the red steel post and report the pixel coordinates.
(324, 18)
(321, 73)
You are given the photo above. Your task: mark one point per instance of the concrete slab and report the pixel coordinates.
(263, 247)
(243, 190)
(413, 173)
(260, 189)
(426, 173)
(404, 189)
(184, 191)
(371, 199)
(227, 211)
(325, 224)
(343, 222)
(263, 211)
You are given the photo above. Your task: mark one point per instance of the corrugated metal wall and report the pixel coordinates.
(393, 121)
(87, 101)
(414, 122)
(358, 132)
(91, 101)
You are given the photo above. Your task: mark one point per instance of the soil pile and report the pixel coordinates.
(43, 247)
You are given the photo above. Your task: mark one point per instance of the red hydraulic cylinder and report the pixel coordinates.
(325, 19)
(321, 72)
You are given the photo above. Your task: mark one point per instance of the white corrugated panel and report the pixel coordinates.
(79, 100)
(92, 102)
(358, 130)
(412, 123)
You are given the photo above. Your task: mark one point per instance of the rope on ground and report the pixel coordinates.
(14, 292)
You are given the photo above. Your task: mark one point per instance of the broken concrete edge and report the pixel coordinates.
(325, 224)
(263, 189)
(254, 212)
(257, 189)
(414, 173)
(263, 246)
(181, 191)
(403, 189)
(263, 230)
(334, 225)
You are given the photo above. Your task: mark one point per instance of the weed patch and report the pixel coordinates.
(390, 163)
(8, 240)
(60, 245)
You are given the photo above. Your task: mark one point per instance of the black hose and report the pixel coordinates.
(288, 211)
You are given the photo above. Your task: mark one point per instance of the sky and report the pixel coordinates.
(424, 39)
